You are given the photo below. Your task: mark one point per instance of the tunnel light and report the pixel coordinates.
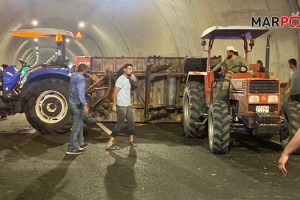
(67, 40)
(55, 53)
(36, 39)
(37, 52)
(36, 48)
(34, 22)
(81, 24)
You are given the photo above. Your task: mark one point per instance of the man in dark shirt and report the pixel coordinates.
(78, 106)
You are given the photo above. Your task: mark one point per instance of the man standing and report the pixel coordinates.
(233, 61)
(294, 83)
(78, 107)
(122, 105)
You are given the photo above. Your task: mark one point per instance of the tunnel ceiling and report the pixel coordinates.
(140, 27)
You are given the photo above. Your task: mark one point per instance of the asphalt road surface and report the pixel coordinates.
(165, 165)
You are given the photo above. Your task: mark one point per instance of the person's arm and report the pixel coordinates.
(288, 150)
(93, 77)
(119, 84)
(244, 63)
(114, 98)
(218, 66)
(81, 94)
(288, 85)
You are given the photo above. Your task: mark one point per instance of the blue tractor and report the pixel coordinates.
(41, 92)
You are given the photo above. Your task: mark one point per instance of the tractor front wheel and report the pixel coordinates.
(218, 127)
(291, 113)
(193, 107)
(47, 106)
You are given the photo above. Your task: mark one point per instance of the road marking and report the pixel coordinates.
(104, 128)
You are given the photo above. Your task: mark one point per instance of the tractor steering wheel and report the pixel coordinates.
(245, 69)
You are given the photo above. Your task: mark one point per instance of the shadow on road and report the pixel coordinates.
(32, 144)
(49, 185)
(169, 134)
(120, 182)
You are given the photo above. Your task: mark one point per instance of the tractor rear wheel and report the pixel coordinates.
(47, 106)
(292, 119)
(218, 127)
(193, 107)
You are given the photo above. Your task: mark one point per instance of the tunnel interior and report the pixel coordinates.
(135, 28)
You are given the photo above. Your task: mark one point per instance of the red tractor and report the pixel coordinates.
(249, 99)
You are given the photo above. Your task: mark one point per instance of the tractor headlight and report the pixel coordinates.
(272, 99)
(253, 99)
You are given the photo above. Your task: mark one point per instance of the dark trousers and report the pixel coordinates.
(77, 126)
(122, 114)
(295, 97)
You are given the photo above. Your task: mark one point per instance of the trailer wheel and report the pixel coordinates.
(193, 107)
(47, 106)
(218, 127)
(291, 113)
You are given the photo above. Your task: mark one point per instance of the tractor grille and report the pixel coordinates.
(263, 86)
(272, 107)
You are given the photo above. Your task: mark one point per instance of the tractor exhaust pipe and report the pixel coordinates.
(268, 56)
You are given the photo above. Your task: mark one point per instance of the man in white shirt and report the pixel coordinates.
(122, 106)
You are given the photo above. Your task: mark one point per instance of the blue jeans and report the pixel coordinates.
(77, 126)
(122, 114)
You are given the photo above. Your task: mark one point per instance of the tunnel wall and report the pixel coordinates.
(149, 27)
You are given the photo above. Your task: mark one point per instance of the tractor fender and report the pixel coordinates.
(42, 74)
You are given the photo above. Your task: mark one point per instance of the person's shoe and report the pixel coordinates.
(83, 147)
(133, 143)
(74, 152)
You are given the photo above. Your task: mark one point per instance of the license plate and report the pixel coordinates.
(262, 109)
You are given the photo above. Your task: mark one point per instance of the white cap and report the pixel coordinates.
(231, 48)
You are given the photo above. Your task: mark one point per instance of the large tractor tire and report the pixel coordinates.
(291, 114)
(193, 107)
(47, 106)
(218, 127)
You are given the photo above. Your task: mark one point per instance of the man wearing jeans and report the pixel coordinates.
(122, 105)
(78, 107)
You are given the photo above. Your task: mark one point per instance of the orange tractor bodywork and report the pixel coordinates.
(250, 100)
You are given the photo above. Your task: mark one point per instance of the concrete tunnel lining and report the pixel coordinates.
(143, 28)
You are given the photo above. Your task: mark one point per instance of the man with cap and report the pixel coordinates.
(233, 61)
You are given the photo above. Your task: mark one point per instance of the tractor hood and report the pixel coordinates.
(233, 32)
